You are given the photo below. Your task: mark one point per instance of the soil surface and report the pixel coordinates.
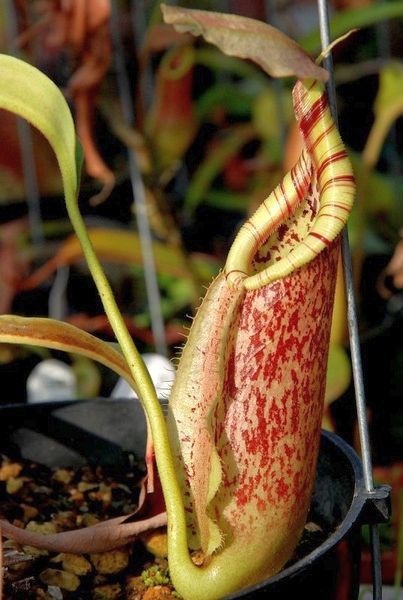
(51, 500)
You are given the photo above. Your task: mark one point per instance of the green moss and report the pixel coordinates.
(156, 575)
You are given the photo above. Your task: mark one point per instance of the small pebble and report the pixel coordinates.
(59, 578)
(108, 563)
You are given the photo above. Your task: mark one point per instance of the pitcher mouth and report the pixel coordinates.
(310, 206)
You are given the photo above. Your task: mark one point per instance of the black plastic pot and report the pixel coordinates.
(102, 431)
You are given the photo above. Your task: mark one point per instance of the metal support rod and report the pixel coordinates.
(139, 193)
(138, 13)
(353, 328)
(351, 305)
(26, 145)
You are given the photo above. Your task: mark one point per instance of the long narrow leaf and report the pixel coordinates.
(56, 335)
(116, 246)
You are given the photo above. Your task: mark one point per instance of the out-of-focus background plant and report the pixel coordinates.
(181, 143)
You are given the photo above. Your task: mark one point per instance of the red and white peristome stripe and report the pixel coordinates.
(324, 161)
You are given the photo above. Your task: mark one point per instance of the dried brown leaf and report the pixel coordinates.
(102, 537)
(277, 54)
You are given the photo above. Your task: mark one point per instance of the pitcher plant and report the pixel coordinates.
(236, 459)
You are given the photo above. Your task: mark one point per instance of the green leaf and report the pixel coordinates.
(265, 110)
(383, 194)
(227, 200)
(344, 21)
(390, 91)
(116, 246)
(205, 266)
(28, 93)
(230, 97)
(48, 333)
(387, 108)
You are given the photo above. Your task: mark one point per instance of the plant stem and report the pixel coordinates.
(148, 397)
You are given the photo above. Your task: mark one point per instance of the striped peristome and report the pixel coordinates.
(325, 150)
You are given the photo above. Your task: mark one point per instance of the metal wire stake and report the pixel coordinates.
(139, 194)
(138, 15)
(353, 328)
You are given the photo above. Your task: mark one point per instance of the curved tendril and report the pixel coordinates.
(335, 182)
